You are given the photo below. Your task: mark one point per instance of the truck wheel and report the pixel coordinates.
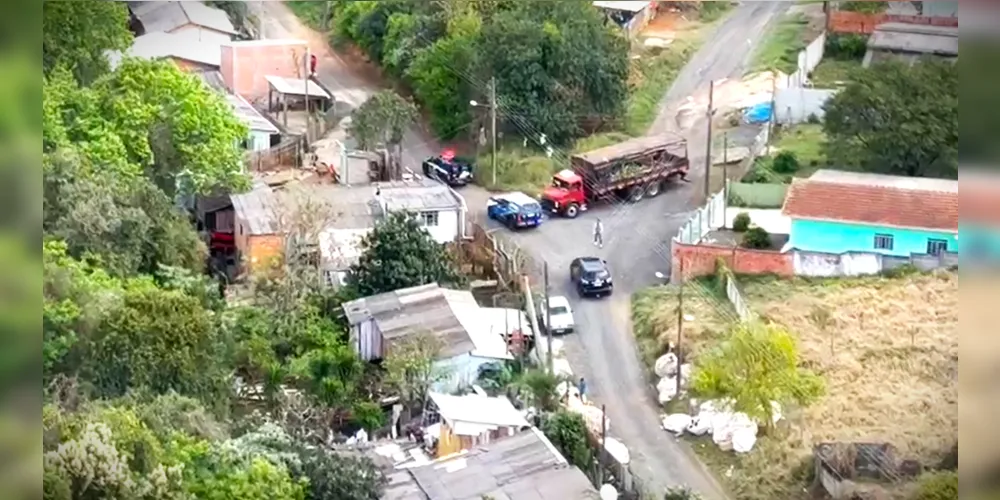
(653, 189)
(637, 194)
(571, 211)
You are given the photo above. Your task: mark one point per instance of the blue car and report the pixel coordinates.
(515, 210)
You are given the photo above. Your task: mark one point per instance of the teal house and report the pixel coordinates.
(837, 212)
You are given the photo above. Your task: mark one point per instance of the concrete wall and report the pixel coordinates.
(709, 217)
(447, 228)
(796, 104)
(808, 59)
(863, 263)
(245, 64)
(838, 238)
(757, 195)
(856, 22)
(701, 260)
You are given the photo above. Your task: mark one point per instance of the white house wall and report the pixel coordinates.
(447, 229)
(259, 140)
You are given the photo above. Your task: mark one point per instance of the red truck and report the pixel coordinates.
(631, 170)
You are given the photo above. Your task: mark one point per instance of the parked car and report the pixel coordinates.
(514, 210)
(560, 314)
(591, 276)
(448, 169)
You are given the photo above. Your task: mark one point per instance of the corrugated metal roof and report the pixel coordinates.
(295, 86)
(351, 207)
(872, 199)
(476, 409)
(249, 115)
(411, 311)
(522, 467)
(900, 37)
(166, 16)
(179, 45)
(213, 79)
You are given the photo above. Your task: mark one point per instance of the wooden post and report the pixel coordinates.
(600, 451)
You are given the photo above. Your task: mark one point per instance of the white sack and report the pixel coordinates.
(666, 365)
(676, 422)
(743, 439)
(699, 425)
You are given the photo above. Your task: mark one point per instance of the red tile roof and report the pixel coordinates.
(872, 204)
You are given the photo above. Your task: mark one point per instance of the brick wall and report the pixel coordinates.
(245, 64)
(855, 22)
(700, 260)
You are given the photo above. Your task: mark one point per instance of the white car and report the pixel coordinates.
(561, 315)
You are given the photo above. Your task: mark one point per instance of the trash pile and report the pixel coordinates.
(666, 369)
(731, 431)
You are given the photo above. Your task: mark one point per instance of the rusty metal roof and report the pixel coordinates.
(873, 199)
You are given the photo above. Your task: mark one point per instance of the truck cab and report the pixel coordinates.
(566, 195)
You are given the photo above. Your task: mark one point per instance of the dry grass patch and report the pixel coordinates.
(654, 318)
(889, 357)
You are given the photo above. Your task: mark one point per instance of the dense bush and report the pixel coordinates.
(845, 46)
(785, 162)
(560, 61)
(741, 222)
(756, 237)
(938, 486)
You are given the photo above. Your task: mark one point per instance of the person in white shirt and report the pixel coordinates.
(599, 233)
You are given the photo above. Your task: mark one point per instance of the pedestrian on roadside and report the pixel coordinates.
(582, 387)
(599, 233)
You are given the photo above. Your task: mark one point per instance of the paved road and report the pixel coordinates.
(637, 243)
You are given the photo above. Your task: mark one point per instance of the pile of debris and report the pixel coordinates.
(731, 430)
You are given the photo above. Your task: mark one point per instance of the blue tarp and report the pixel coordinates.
(760, 113)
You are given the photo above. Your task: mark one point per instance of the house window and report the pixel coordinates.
(936, 247)
(883, 242)
(429, 219)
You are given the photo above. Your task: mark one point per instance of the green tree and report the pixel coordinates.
(410, 368)
(559, 62)
(568, 433)
(540, 387)
(148, 118)
(382, 120)
(162, 340)
(77, 34)
(758, 364)
(941, 485)
(437, 77)
(129, 223)
(896, 119)
(398, 253)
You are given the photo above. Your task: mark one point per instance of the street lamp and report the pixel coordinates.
(493, 124)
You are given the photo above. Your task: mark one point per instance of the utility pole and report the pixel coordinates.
(305, 71)
(548, 321)
(774, 112)
(493, 127)
(680, 325)
(708, 145)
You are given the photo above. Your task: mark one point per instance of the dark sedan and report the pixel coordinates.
(591, 276)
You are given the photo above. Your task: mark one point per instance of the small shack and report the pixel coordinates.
(296, 94)
(632, 16)
(473, 420)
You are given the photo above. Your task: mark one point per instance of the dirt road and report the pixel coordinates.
(637, 243)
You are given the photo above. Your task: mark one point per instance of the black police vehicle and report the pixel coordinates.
(448, 169)
(591, 276)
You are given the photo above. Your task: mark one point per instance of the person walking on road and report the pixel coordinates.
(599, 233)
(582, 387)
